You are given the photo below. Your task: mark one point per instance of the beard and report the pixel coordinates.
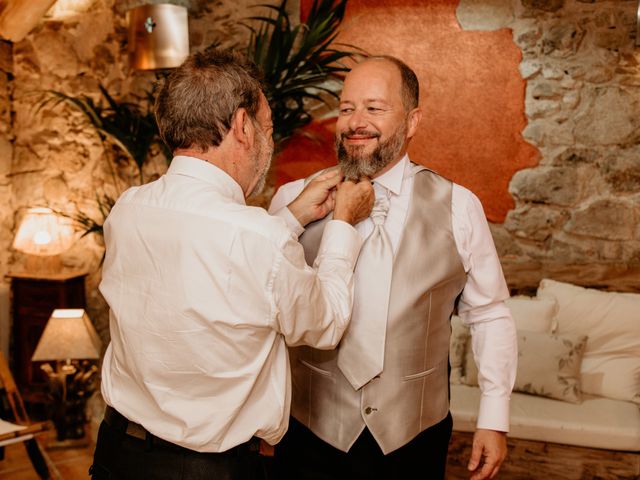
(261, 158)
(355, 163)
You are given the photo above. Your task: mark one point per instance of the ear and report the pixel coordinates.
(413, 119)
(242, 127)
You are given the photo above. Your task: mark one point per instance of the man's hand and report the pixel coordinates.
(487, 454)
(317, 198)
(354, 201)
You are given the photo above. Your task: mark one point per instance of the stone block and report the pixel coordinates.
(608, 219)
(550, 185)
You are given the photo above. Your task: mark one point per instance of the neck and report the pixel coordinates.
(226, 159)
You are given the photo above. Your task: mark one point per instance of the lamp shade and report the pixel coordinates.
(68, 335)
(158, 36)
(43, 232)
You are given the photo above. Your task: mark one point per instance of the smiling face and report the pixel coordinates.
(373, 127)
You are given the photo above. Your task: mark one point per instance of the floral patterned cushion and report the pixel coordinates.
(611, 365)
(548, 365)
(457, 348)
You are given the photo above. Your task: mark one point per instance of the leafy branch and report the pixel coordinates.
(297, 62)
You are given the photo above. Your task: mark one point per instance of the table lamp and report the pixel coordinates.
(70, 340)
(43, 235)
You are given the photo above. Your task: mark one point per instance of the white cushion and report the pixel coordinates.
(611, 320)
(529, 313)
(532, 313)
(596, 422)
(548, 365)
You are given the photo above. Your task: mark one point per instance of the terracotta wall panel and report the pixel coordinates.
(473, 93)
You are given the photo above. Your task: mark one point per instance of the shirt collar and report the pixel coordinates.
(207, 172)
(392, 178)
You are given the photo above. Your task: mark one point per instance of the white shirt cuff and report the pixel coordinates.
(493, 414)
(340, 239)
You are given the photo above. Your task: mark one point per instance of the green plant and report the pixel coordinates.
(298, 61)
(129, 126)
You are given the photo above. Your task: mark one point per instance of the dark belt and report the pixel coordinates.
(120, 423)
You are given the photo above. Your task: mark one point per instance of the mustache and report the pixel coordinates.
(362, 131)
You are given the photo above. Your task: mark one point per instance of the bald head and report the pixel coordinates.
(409, 84)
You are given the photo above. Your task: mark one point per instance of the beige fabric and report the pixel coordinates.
(611, 320)
(361, 355)
(595, 423)
(532, 313)
(460, 336)
(548, 365)
(417, 339)
(529, 313)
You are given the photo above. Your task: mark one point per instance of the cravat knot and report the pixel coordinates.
(380, 209)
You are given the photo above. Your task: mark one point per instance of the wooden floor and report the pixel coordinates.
(526, 461)
(74, 463)
(68, 463)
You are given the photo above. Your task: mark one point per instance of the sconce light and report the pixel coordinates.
(158, 36)
(43, 233)
(70, 340)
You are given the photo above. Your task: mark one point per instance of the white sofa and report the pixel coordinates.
(578, 380)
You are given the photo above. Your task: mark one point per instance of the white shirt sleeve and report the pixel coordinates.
(283, 197)
(314, 305)
(303, 317)
(482, 308)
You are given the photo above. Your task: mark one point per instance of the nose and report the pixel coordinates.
(357, 120)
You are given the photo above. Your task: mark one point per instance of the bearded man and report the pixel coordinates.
(377, 407)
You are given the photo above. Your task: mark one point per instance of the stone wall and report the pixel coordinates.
(6, 153)
(49, 154)
(576, 216)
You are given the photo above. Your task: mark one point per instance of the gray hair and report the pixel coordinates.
(197, 102)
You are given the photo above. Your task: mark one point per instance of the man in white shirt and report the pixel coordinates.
(394, 422)
(204, 290)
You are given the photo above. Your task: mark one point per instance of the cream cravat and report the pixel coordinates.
(361, 353)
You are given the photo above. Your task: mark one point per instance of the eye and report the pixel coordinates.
(374, 109)
(346, 110)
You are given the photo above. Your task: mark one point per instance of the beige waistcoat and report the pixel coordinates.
(411, 394)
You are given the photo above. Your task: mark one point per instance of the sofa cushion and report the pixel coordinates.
(548, 365)
(611, 363)
(596, 422)
(532, 313)
(457, 347)
(529, 313)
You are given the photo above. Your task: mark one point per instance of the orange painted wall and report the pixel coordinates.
(472, 97)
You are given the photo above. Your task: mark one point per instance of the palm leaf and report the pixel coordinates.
(297, 61)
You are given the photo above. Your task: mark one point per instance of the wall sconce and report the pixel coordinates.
(70, 340)
(158, 36)
(43, 233)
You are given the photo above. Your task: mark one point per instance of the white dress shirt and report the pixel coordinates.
(204, 291)
(481, 304)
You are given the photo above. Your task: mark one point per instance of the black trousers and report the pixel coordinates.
(120, 456)
(303, 456)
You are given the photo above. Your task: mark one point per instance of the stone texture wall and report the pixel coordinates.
(50, 155)
(576, 216)
(6, 153)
